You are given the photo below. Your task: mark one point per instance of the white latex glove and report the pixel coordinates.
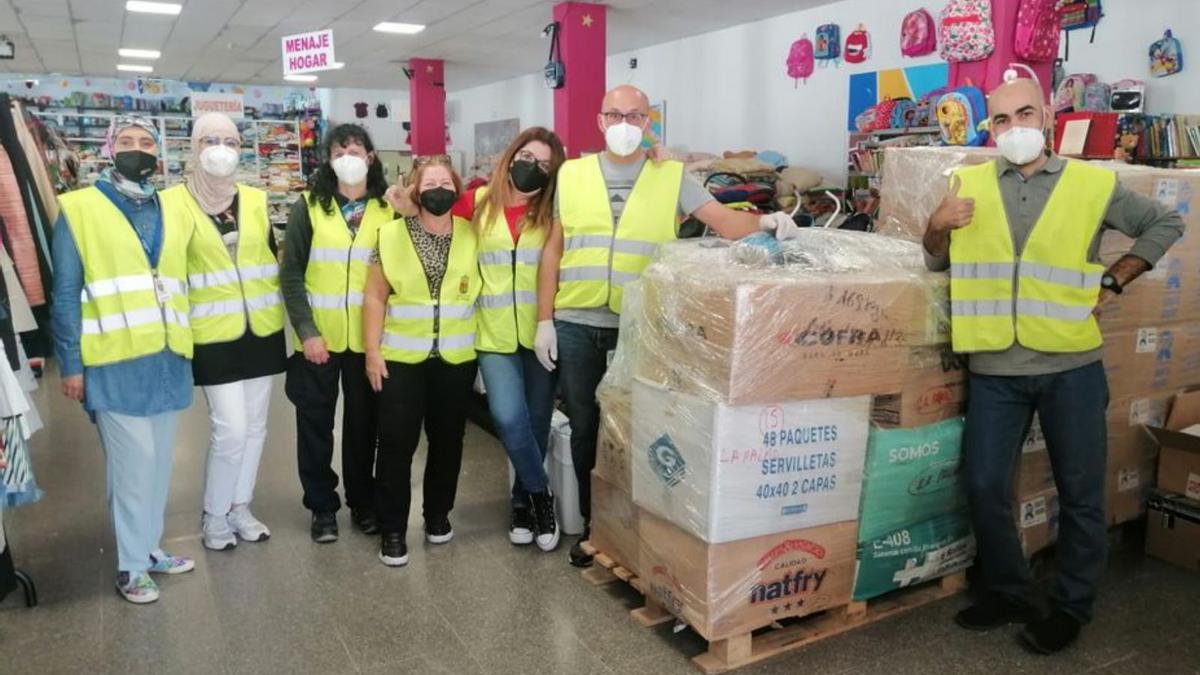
(545, 345)
(781, 224)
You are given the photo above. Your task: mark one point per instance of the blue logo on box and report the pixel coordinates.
(666, 462)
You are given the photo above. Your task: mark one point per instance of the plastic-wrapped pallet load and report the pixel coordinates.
(615, 524)
(615, 395)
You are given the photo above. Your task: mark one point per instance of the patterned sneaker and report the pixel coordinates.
(137, 587)
(215, 533)
(165, 563)
(246, 525)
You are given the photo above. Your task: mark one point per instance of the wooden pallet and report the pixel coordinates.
(778, 639)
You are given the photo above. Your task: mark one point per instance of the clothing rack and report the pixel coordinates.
(28, 587)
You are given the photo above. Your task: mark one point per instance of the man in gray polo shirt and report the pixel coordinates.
(1021, 236)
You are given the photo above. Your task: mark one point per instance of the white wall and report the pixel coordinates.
(387, 134)
(729, 89)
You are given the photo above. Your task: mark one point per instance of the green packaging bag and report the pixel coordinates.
(911, 475)
(927, 550)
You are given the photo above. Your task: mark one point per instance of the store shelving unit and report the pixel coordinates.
(865, 154)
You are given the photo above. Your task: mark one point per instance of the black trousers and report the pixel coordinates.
(313, 390)
(432, 394)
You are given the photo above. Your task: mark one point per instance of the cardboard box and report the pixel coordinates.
(726, 472)
(615, 524)
(1128, 440)
(1179, 457)
(722, 590)
(1035, 475)
(910, 555)
(929, 395)
(1152, 358)
(1037, 521)
(1168, 293)
(612, 443)
(1126, 487)
(1173, 530)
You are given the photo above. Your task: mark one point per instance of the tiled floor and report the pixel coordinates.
(475, 606)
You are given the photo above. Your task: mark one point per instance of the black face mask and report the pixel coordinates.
(527, 176)
(135, 165)
(438, 201)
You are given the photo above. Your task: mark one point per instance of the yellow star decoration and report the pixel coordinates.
(587, 20)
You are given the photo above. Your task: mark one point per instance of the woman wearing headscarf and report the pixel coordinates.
(121, 334)
(237, 325)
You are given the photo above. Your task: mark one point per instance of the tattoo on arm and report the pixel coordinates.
(1128, 268)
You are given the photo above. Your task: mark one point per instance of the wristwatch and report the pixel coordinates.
(1109, 282)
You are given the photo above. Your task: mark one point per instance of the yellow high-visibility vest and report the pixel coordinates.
(1043, 298)
(337, 272)
(416, 321)
(225, 296)
(598, 259)
(507, 306)
(129, 308)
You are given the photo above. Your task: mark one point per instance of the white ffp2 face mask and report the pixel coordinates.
(350, 170)
(1021, 145)
(623, 139)
(219, 160)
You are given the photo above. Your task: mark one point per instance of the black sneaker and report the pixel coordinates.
(393, 551)
(994, 611)
(579, 557)
(438, 530)
(1051, 634)
(520, 526)
(544, 523)
(364, 521)
(324, 528)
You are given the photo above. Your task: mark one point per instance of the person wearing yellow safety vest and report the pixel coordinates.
(332, 230)
(237, 325)
(1020, 236)
(612, 210)
(419, 323)
(123, 341)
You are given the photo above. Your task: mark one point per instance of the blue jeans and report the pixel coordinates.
(1071, 407)
(138, 452)
(520, 394)
(582, 362)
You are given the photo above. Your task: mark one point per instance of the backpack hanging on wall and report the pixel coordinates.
(800, 62)
(967, 33)
(1038, 26)
(858, 45)
(918, 34)
(1079, 15)
(828, 46)
(1166, 56)
(959, 113)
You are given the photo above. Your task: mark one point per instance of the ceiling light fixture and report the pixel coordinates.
(300, 78)
(139, 53)
(169, 8)
(399, 28)
(132, 68)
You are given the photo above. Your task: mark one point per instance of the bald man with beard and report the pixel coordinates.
(1021, 237)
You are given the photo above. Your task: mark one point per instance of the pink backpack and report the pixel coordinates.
(918, 34)
(1038, 28)
(1071, 92)
(800, 61)
(967, 31)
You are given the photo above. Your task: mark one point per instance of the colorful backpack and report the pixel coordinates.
(926, 113)
(1078, 16)
(918, 34)
(959, 114)
(1166, 56)
(1097, 97)
(967, 31)
(858, 45)
(800, 61)
(896, 113)
(1038, 26)
(867, 120)
(828, 46)
(1070, 92)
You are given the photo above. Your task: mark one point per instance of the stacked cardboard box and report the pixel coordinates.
(1173, 531)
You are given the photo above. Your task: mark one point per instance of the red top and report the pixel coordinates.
(465, 208)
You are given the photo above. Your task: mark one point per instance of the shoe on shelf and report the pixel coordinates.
(994, 611)
(364, 521)
(520, 525)
(1051, 634)
(246, 526)
(393, 551)
(137, 587)
(324, 528)
(545, 524)
(579, 557)
(162, 562)
(438, 530)
(215, 533)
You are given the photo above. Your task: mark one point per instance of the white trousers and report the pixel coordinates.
(237, 413)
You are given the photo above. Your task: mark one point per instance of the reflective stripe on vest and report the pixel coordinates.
(336, 273)
(599, 258)
(416, 323)
(1044, 298)
(123, 316)
(508, 302)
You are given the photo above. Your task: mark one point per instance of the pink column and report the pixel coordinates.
(427, 105)
(583, 44)
(989, 74)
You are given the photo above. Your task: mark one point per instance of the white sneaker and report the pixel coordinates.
(246, 525)
(216, 533)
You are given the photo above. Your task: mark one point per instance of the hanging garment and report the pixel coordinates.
(8, 573)
(35, 154)
(18, 304)
(20, 236)
(20, 487)
(34, 213)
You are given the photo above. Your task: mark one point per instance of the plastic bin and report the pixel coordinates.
(561, 471)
